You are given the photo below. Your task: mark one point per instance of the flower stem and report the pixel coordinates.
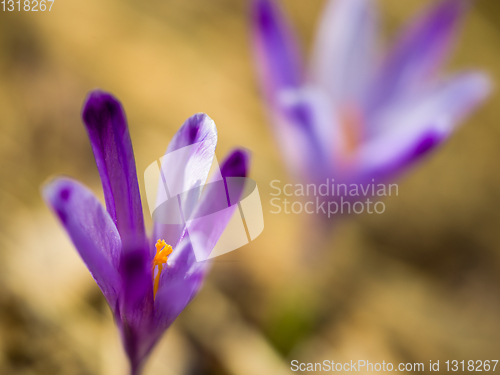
(135, 369)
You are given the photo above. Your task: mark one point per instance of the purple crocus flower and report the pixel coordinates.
(147, 282)
(354, 114)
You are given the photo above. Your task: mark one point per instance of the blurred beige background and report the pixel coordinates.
(420, 282)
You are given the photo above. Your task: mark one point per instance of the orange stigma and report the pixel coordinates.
(162, 252)
(351, 124)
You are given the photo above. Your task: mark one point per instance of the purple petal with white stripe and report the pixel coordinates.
(418, 55)
(183, 269)
(423, 124)
(186, 170)
(344, 55)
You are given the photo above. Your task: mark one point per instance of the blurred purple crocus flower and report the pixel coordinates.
(147, 283)
(353, 114)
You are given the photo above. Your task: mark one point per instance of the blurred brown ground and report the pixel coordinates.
(420, 282)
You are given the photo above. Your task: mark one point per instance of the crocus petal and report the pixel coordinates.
(194, 146)
(91, 229)
(448, 101)
(420, 126)
(135, 305)
(218, 203)
(293, 132)
(420, 52)
(178, 288)
(277, 54)
(182, 264)
(385, 158)
(344, 52)
(106, 125)
(137, 295)
(185, 168)
(311, 139)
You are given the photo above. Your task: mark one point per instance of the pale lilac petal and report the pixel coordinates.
(275, 46)
(293, 136)
(91, 229)
(344, 54)
(420, 126)
(312, 137)
(417, 56)
(446, 102)
(106, 125)
(178, 288)
(184, 275)
(280, 70)
(185, 167)
(194, 149)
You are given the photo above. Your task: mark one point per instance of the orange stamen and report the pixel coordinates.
(351, 125)
(163, 250)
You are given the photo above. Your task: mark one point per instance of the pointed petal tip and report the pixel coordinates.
(90, 228)
(267, 19)
(439, 22)
(198, 125)
(449, 12)
(277, 52)
(99, 95)
(100, 105)
(484, 81)
(196, 129)
(237, 164)
(484, 87)
(427, 143)
(56, 192)
(476, 87)
(261, 11)
(423, 48)
(107, 128)
(57, 189)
